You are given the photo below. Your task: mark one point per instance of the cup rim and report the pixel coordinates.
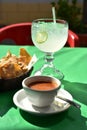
(50, 19)
(34, 80)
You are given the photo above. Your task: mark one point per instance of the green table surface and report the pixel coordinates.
(73, 63)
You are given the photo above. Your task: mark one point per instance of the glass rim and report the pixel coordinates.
(50, 19)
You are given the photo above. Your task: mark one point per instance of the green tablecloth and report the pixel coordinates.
(73, 63)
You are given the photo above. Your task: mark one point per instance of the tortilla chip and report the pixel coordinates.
(23, 52)
(12, 66)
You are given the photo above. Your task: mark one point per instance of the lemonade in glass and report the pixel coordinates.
(49, 37)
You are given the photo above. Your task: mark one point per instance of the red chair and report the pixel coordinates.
(20, 34)
(73, 39)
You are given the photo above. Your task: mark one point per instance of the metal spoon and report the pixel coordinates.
(73, 103)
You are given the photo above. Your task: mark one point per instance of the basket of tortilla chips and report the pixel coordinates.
(13, 69)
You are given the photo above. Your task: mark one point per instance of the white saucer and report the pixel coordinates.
(21, 101)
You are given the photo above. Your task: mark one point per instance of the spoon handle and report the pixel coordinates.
(70, 102)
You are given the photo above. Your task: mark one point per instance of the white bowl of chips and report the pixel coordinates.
(13, 69)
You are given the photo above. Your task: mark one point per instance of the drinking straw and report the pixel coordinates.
(54, 15)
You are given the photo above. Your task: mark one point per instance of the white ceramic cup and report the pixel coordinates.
(40, 98)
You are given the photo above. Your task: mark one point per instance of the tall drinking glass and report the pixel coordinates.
(49, 37)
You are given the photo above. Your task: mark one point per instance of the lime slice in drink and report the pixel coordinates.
(41, 37)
